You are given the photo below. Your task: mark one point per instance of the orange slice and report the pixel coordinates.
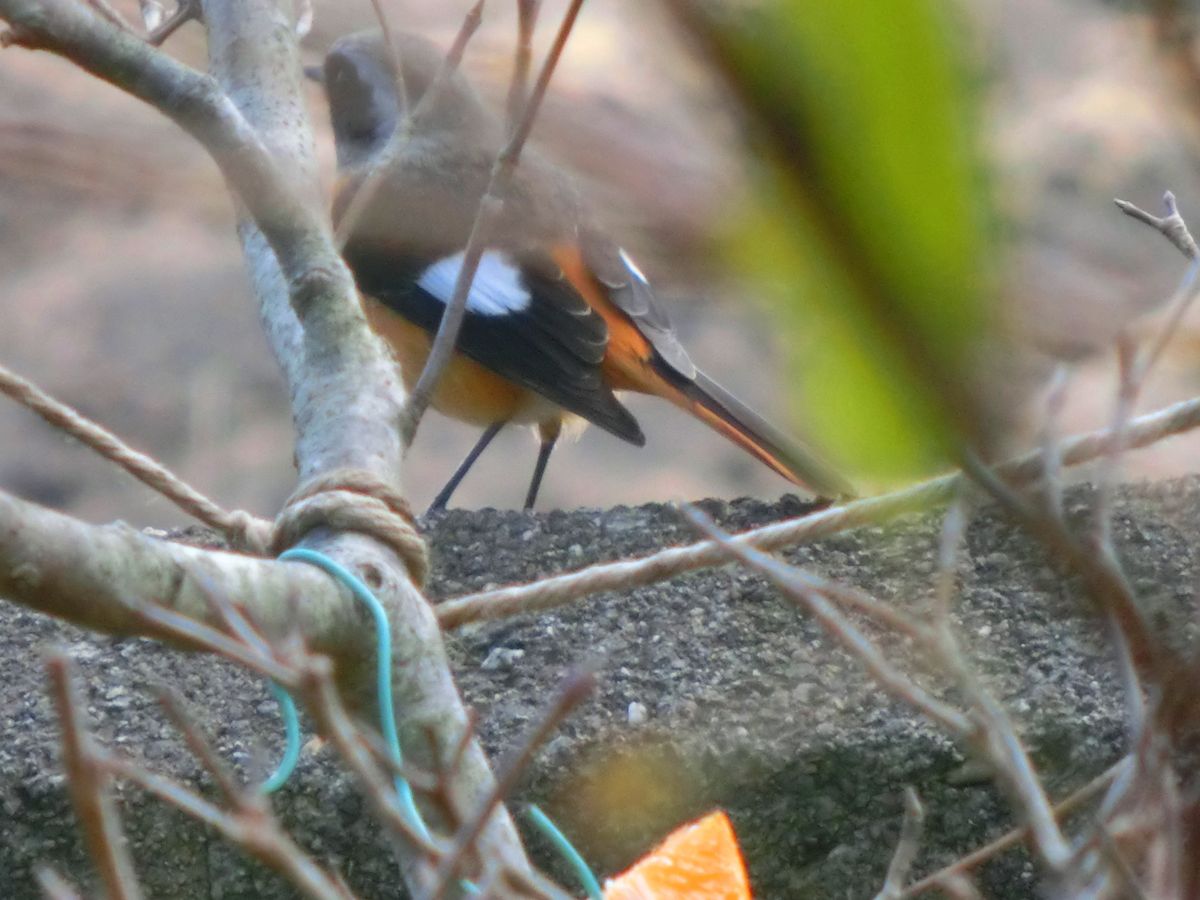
(698, 861)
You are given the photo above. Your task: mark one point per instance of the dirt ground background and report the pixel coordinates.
(123, 290)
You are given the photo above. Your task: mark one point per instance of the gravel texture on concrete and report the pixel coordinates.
(714, 692)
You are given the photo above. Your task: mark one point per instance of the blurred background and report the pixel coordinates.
(123, 291)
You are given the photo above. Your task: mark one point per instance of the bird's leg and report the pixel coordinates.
(549, 432)
(443, 497)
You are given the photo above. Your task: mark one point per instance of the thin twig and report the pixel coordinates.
(518, 86)
(88, 782)
(1180, 304)
(186, 11)
(230, 615)
(1133, 370)
(490, 206)
(111, 13)
(255, 831)
(577, 687)
(1118, 864)
(996, 736)
(624, 575)
(958, 887)
(1014, 837)
(838, 626)
(906, 847)
(1056, 396)
(172, 703)
(954, 531)
(53, 885)
(1101, 572)
(334, 723)
(1172, 226)
(394, 51)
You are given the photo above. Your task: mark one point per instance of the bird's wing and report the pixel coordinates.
(524, 321)
(644, 354)
(627, 288)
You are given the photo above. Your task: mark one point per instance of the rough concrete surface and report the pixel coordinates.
(714, 692)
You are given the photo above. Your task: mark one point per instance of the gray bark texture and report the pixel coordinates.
(714, 692)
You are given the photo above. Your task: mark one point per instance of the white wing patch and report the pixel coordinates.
(633, 267)
(497, 289)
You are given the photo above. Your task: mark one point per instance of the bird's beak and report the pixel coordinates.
(315, 73)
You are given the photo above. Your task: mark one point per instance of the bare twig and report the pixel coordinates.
(111, 13)
(333, 722)
(994, 734)
(518, 87)
(577, 687)
(185, 11)
(88, 781)
(444, 342)
(394, 50)
(173, 705)
(53, 885)
(838, 626)
(1119, 866)
(195, 103)
(1133, 369)
(1185, 295)
(250, 827)
(168, 623)
(906, 847)
(1065, 807)
(1056, 396)
(958, 887)
(1102, 575)
(1172, 226)
(954, 532)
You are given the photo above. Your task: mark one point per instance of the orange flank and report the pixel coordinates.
(700, 861)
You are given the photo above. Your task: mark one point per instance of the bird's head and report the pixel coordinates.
(365, 105)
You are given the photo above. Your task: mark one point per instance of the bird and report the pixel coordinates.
(559, 318)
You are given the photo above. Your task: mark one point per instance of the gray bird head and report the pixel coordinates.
(365, 105)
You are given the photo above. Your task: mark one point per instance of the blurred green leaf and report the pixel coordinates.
(871, 232)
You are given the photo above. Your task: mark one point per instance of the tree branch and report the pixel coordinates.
(345, 390)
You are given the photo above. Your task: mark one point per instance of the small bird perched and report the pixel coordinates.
(558, 317)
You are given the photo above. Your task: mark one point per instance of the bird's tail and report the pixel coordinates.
(723, 412)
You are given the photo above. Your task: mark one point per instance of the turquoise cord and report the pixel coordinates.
(383, 670)
(291, 751)
(387, 716)
(568, 851)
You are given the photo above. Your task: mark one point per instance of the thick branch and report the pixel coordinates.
(97, 576)
(346, 396)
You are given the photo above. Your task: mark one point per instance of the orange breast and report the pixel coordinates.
(466, 390)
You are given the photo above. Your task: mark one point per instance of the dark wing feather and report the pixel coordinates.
(632, 294)
(554, 346)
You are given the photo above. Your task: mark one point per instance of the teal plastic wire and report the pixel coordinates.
(583, 872)
(387, 716)
(291, 750)
(383, 670)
